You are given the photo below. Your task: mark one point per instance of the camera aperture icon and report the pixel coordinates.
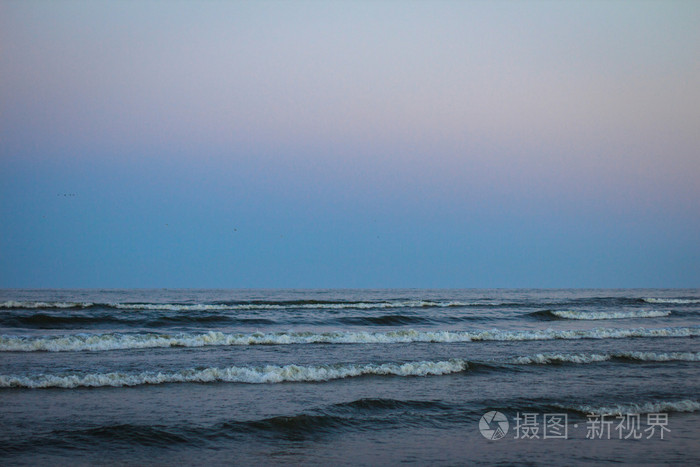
(493, 425)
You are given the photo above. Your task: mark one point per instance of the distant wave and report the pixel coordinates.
(686, 405)
(678, 301)
(544, 359)
(403, 319)
(44, 305)
(250, 305)
(335, 304)
(330, 304)
(596, 315)
(48, 319)
(383, 320)
(233, 374)
(117, 341)
(52, 320)
(300, 304)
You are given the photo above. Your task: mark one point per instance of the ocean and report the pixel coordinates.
(349, 377)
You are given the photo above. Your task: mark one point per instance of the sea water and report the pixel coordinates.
(349, 376)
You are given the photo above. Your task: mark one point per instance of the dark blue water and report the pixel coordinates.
(349, 376)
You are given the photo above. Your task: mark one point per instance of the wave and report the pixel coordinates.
(233, 374)
(595, 315)
(157, 319)
(125, 434)
(373, 404)
(386, 320)
(677, 301)
(118, 341)
(44, 319)
(545, 359)
(50, 320)
(128, 433)
(310, 424)
(335, 419)
(320, 373)
(297, 426)
(44, 305)
(686, 405)
(336, 304)
(250, 305)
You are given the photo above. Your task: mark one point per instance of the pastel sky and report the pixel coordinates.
(349, 144)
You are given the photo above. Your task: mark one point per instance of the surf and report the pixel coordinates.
(269, 374)
(119, 341)
(597, 315)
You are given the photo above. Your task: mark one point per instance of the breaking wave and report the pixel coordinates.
(594, 315)
(544, 359)
(233, 374)
(686, 405)
(119, 341)
(315, 373)
(678, 301)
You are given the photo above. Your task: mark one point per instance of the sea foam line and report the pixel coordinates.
(118, 341)
(234, 374)
(44, 305)
(594, 315)
(314, 305)
(686, 405)
(285, 306)
(549, 358)
(679, 301)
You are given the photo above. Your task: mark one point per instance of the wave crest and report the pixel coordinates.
(44, 305)
(545, 359)
(595, 315)
(676, 301)
(259, 375)
(117, 341)
(254, 305)
(637, 408)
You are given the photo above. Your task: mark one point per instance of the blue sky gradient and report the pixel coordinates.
(349, 144)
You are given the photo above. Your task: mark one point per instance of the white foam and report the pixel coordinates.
(661, 357)
(679, 301)
(284, 306)
(639, 408)
(249, 306)
(591, 315)
(233, 374)
(117, 341)
(544, 359)
(38, 305)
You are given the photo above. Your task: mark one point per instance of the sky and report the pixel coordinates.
(353, 144)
